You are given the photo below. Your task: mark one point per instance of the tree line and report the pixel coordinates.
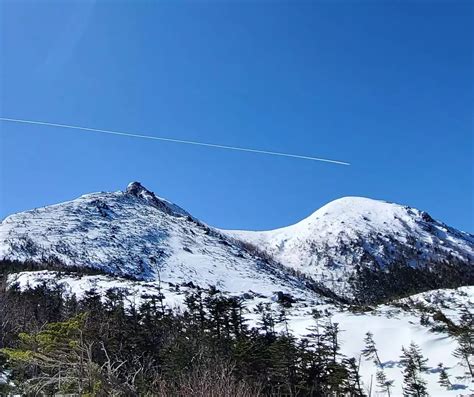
(52, 343)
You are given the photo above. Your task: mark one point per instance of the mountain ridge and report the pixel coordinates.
(347, 246)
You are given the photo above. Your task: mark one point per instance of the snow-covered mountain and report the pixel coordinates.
(350, 246)
(137, 234)
(148, 246)
(352, 233)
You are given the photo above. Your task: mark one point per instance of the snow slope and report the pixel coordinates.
(136, 234)
(352, 231)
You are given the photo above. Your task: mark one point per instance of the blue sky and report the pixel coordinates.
(387, 86)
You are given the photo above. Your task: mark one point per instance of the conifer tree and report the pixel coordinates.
(237, 320)
(354, 384)
(267, 321)
(443, 377)
(331, 336)
(384, 384)
(370, 350)
(465, 339)
(283, 319)
(413, 365)
(337, 373)
(319, 358)
(60, 359)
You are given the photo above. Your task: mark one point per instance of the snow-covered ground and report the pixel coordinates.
(392, 326)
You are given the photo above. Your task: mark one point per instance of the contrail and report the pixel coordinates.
(157, 138)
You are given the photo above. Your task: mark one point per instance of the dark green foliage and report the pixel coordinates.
(464, 333)
(414, 364)
(8, 266)
(373, 284)
(370, 350)
(111, 348)
(383, 383)
(354, 384)
(443, 377)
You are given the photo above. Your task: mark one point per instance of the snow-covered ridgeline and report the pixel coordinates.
(352, 231)
(136, 233)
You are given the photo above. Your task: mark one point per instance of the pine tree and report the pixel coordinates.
(319, 358)
(237, 319)
(61, 359)
(283, 319)
(370, 351)
(354, 386)
(384, 384)
(413, 364)
(418, 358)
(267, 321)
(443, 377)
(331, 336)
(465, 339)
(284, 355)
(337, 373)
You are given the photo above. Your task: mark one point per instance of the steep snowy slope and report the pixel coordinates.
(134, 233)
(350, 232)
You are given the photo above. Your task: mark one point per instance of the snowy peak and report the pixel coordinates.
(364, 212)
(134, 233)
(352, 233)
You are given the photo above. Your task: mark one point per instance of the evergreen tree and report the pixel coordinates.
(370, 350)
(443, 377)
(267, 320)
(331, 336)
(413, 365)
(354, 384)
(384, 384)
(337, 372)
(283, 356)
(317, 359)
(118, 348)
(237, 320)
(465, 339)
(60, 359)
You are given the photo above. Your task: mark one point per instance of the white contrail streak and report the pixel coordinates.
(157, 138)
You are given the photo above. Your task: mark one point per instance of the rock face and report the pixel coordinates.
(355, 247)
(136, 189)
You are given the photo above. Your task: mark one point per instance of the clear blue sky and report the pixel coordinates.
(387, 86)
